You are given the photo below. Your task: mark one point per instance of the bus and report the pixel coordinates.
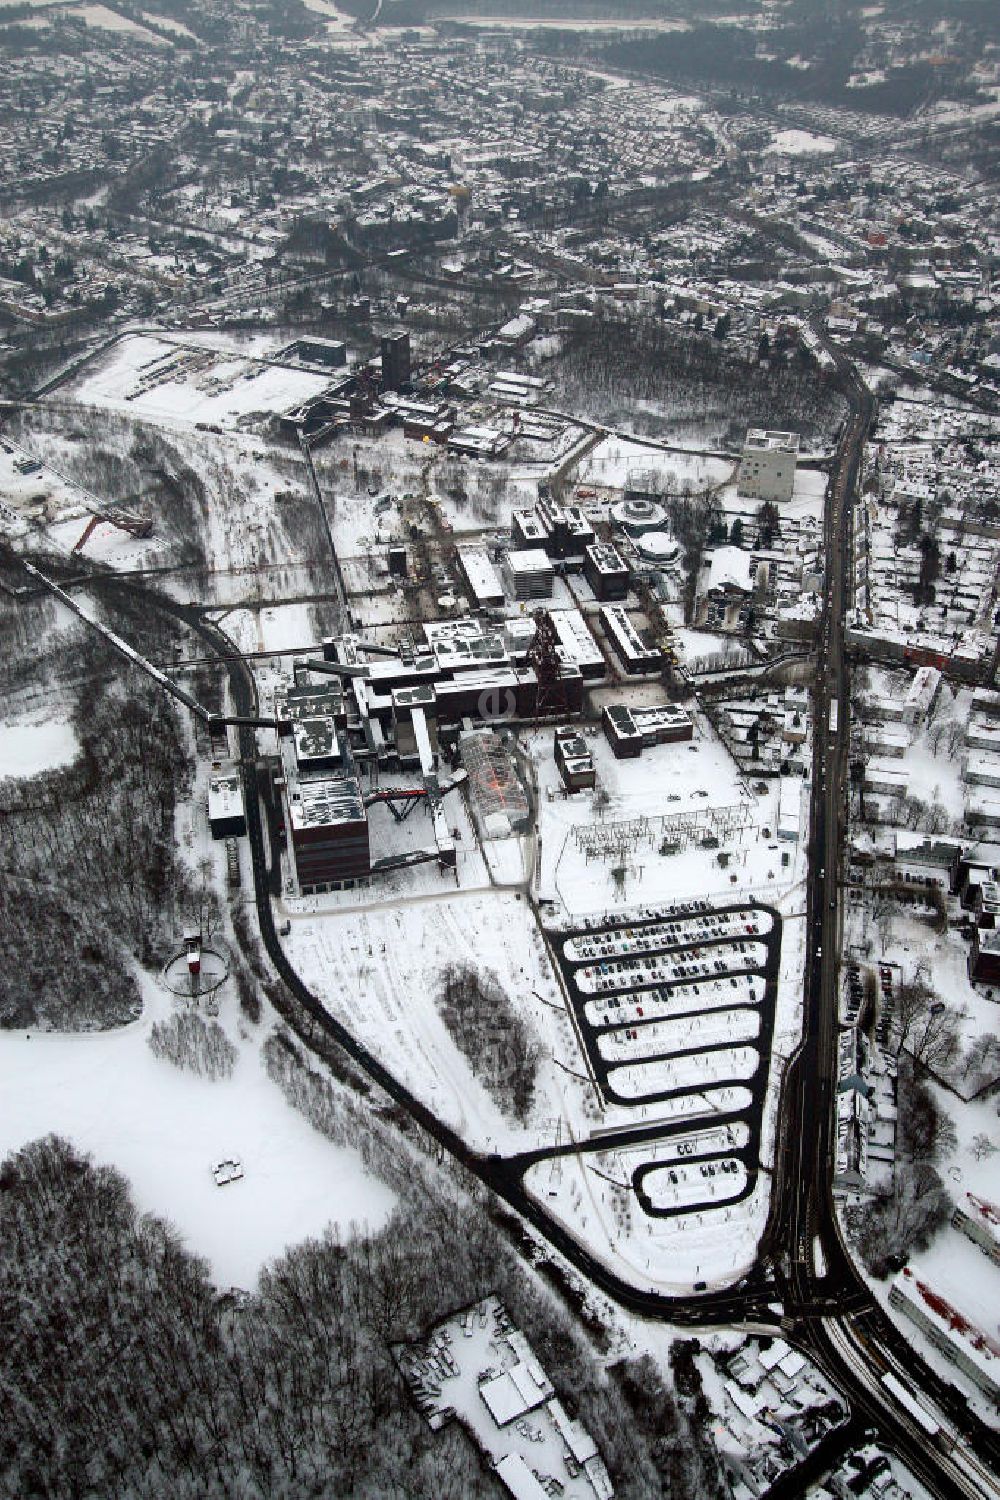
(834, 718)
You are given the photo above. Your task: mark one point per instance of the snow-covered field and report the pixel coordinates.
(184, 383)
(27, 749)
(801, 143)
(614, 459)
(165, 1129)
(379, 970)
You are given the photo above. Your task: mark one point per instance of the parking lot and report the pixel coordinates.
(675, 1010)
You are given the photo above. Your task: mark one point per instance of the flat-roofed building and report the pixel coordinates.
(629, 731)
(577, 642)
(626, 642)
(529, 574)
(767, 468)
(481, 576)
(954, 1335)
(979, 1220)
(574, 760)
(606, 571)
(328, 831)
(317, 747)
(226, 812)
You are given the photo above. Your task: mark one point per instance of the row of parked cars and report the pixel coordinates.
(624, 973)
(615, 942)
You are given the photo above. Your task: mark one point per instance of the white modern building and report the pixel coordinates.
(767, 468)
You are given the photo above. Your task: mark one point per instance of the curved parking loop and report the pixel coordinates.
(717, 1182)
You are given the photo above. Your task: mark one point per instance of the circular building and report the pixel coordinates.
(637, 517)
(658, 548)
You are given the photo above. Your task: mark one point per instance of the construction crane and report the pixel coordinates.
(125, 520)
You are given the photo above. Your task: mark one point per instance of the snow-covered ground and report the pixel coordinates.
(173, 383)
(615, 458)
(287, 627)
(26, 749)
(165, 1129)
(379, 970)
(678, 782)
(710, 1245)
(801, 143)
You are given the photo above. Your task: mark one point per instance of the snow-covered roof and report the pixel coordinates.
(732, 567)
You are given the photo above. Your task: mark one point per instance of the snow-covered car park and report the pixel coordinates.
(675, 1010)
(684, 1185)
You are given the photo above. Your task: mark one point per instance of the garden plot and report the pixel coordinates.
(165, 1129)
(668, 1075)
(660, 1038)
(186, 383)
(690, 1184)
(653, 1005)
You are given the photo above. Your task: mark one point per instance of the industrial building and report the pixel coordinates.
(328, 353)
(328, 828)
(481, 576)
(528, 574)
(386, 708)
(226, 813)
(767, 468)
(628, 645)
(395, 360)
(574, 760)
(606, 571)
(577, 644)
(562, 531)
(629, 731)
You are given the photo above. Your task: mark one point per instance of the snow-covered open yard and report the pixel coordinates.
(614, 459)
(157, 377)
(26, 749)
(165, 1129)
(379, 970)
